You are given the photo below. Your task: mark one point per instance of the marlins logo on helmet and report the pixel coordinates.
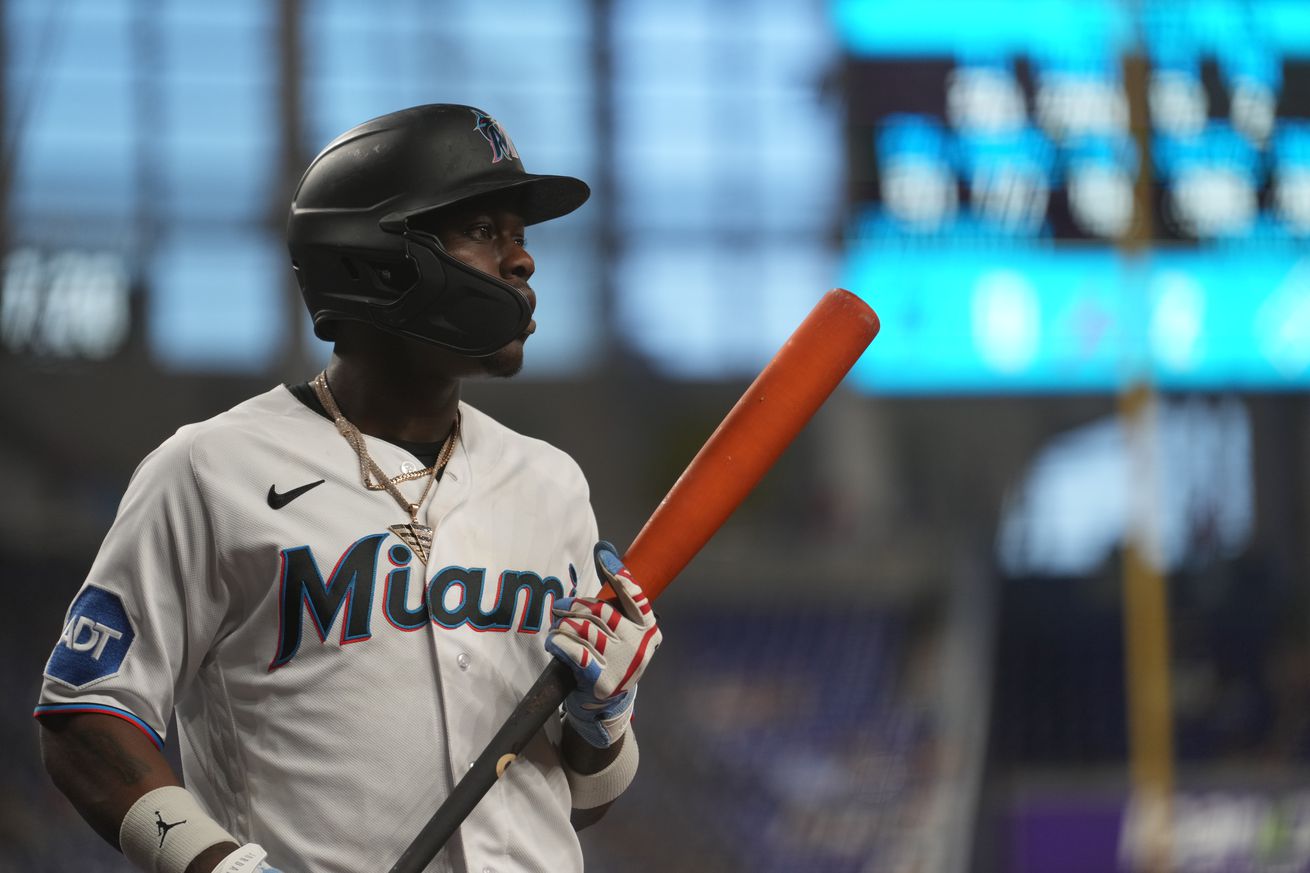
(501, 147)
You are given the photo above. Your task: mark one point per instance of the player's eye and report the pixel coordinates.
(480, 231)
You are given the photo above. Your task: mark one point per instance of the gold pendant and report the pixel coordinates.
(417, 536)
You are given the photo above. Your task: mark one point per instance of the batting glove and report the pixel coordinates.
(247, 859)
(608, 646)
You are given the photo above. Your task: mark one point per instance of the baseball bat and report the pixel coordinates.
(786, 394)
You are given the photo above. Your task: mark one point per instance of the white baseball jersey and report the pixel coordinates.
(328, 687)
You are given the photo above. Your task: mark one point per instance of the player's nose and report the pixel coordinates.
(517, 266)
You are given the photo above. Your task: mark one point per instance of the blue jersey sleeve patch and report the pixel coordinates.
(95, 639)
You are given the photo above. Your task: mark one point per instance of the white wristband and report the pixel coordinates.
(166, 829)
(247, 859)
(597, 789)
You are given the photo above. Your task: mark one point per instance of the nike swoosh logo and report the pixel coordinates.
(277, 501)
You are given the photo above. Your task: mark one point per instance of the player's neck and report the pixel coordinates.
(390, 398)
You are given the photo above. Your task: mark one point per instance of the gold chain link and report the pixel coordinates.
(374, 478)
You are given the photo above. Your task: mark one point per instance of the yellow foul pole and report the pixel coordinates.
(1146, 611)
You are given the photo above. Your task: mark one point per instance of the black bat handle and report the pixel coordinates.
(540, 703)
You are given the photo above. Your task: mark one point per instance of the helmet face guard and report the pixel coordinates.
(358, 257)
(451, 304)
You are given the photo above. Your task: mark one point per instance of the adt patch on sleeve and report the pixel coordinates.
(95, 639)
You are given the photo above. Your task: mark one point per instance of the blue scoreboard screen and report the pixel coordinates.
(998, 154)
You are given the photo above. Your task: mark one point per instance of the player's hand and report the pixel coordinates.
(608, 646)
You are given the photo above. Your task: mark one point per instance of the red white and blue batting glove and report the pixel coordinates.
(250, 858)
(608, 645)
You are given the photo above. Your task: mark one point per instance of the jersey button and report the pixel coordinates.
(463, 660)
(407, 467)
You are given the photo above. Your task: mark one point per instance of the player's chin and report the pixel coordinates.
(505, 363)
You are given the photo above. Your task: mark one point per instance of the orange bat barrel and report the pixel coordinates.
(741, 450)
(750, 438)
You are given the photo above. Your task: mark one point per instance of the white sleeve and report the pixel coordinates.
(141, 623)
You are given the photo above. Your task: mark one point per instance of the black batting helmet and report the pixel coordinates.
(358, 254)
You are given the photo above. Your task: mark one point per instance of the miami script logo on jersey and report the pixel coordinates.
(94, 641)
(452, 598)
(492, 132)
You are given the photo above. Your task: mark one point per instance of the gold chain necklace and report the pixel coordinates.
(417, 536)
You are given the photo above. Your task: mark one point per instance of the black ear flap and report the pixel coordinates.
(395, 276)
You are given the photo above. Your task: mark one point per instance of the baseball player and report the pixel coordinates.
(341, 588)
